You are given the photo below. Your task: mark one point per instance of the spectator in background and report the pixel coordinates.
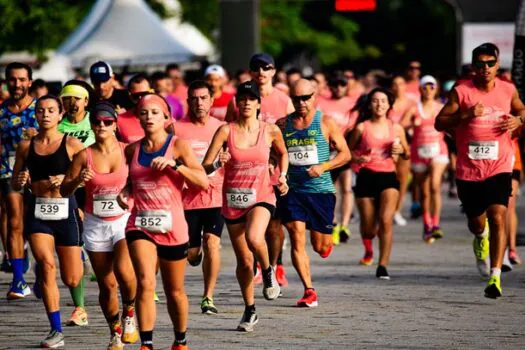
(282, 87)
(103, 80)
(281, 77)
(180, 90)
(4, 92)
(229, 84)
(163, 85)
(354, 88)
(215, 76)
(322, 86)
(38, 88)
(292, 75)
(413, 75)
(242, 76)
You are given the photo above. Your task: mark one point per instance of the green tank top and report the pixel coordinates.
(307, 147)
(81, 131)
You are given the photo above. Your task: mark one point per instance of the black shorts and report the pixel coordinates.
(242, 219)
(165, 252)
(516, 175)
(316, 210)
(370, 184)
(278, 203)
(80, 196)
(477, 196)
(451, 144)
(335, 173)
(67, 232)
(201, 221)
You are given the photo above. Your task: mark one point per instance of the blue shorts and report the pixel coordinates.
(314, 209)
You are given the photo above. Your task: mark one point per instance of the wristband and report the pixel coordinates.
(216, 164)
(283, 173)
(177, 165)
(325, 166)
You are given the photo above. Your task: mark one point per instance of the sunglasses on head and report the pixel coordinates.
(481, 64)
(264, 67)
(106, 122)
(303, 98)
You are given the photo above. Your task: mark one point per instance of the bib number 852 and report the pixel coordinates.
(150, 222)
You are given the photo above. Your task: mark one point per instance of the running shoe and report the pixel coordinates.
(197, 261)
(336, 231)
(115, 343)
(54, 339)
(344, 234)
(146, 347)
(156, 297)
(248, 321)
(280, 274)
(493, 289)
(208, 307)
(427, 236)
(415, 210)
(481, 251)
(78, 317)
(327, 252)
(367, 260)
(258, 278)
(130, 334)
(6, 265)
(507, 265)
(179, 347)
(382, 273)
(514, 257)
(19, 291)
(399, 220)
(437, 232)
(271, 289)
(309, 299)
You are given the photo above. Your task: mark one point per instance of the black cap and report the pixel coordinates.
(102, 109)
(337, 80)
(488, 49)
(260, 57)
(100, 72)
(248, 88)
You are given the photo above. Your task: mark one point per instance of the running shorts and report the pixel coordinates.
(242, 219)
(316, 210)
(516, 175)
(371, 184)
(202, 221)
(165, 252)
(102, 235)
(477, 196)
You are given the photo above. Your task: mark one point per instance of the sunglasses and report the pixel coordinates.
(106, 122)
(414, 67)
(265, 68)
(481, 64)
(303, 98)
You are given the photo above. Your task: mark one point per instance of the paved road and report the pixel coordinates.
(434, 301)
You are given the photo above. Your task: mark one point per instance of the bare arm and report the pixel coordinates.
(450, 115)
(124, 194)
(336, 138)
(400, 134)
(516, 105)
(219, 140)
(230, 112)
(353, 141)
(408, 116)
(20, 173)
(73, 177)
(191, 169)
(279, 147)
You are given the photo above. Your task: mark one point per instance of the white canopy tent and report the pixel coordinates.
(123, 32)
(58, 68)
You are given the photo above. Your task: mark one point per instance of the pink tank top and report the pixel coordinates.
(158, 210)
(103, 189)
(398, 111)
(378, 149)
(338, 110)
(413, 91)
(129, 128)
(199, 137)
(483, 149)
(274, 106)
(425, 132)
(246, 178)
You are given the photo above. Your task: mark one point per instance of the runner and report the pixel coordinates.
(202, 208)
(429, 156)
(375, 143)
(17, 122)
(451, 145)
(512, 216)
(163, 85)
(401, 105)
(128, 123)
(156, 230)
(413, 76)
(479, 111)
(51, 221)
(248, 196)
(103, 80)
(338, 108)
(310, 202)
(75, 122)
(215, 75)
(103, 169)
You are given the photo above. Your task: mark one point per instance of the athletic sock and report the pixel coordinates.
(54, 321)
(77, 293)
(280, 258)
(114, 323)
(435, 219)
(146, 338)
(367, 242)
(128, 308)
(250, 308)
(495, 272)
(18, 270)
(427, 219)
(180, 338)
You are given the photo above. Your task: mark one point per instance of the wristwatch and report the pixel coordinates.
(178, 163)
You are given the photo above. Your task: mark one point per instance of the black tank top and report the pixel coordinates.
(41, 167)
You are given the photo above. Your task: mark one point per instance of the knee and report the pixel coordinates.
(318, 247)
(48, 268)
(15, 222)
(193, 254)
(178, 294)
(108, 285)
(71, 281)
(146, 283)
(211, 243)
(255, 243)
(476, 226)
(245, 264)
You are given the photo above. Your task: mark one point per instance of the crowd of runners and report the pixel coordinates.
(139, 181)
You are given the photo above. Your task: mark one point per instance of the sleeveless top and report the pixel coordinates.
(427, 142)
(41, 167)
(103, 189)
(158, 210)
(129, 128)
(338, 110)
(246, 176)
(81, 130)
(307, 147)
(396, 114)
(274, 106)
(378, 149)
(483, 149)
(199, 137)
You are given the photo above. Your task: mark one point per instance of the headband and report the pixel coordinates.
(75, 91)
(157, 100)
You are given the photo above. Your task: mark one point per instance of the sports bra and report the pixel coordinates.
(41, 167)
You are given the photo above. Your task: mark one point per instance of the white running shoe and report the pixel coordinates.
(399, 220)
(507, 265)
(271, 289)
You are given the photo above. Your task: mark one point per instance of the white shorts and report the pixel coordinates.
(423, 167)
(102, 235)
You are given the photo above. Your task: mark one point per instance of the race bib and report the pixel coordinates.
(303, 155)
(158, 221)
(241, 198)
(106, 205)
(483, 150)
(52, 209)
(429, 150)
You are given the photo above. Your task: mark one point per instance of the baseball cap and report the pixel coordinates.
(74, 91)
(428, 79)
(102, 110)
(261, 57)
(100, 72)
(488, 49)
(215, 69)
(248, 88)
